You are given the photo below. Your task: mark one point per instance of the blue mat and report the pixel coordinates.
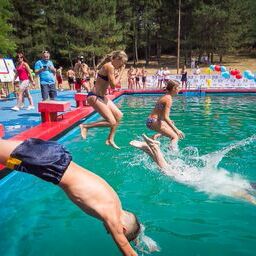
(18, 121)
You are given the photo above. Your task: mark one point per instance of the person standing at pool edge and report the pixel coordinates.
(97, 97)
(144, 77)
(44, 68)
(184, 79)
(59, 78)
(159, 119)
(71, 78)
(24, 74)
(51, 162)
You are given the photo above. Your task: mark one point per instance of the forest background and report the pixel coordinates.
(145, 29)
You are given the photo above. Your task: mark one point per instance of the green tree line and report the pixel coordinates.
(144, 28)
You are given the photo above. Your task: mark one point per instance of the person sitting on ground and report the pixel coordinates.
(159, 119)
(152, 148)
(51, 162)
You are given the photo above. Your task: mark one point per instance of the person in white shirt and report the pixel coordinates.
(166, 73)
(197, 70)
(160, 77)
(193, 63)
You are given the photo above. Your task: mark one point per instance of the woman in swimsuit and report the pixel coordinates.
(97, 99)
(159, 120)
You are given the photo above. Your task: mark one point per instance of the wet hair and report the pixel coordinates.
(133, 228)
(113, 55)
(171, 84)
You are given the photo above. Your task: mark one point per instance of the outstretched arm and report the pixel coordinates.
(115, 227)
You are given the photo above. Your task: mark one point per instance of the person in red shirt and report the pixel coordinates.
(23, 72)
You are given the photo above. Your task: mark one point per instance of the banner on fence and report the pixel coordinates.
(206, 81)
(7, 70)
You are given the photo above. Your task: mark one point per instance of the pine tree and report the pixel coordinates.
(92, 29)
(29, 21)
(7, 45)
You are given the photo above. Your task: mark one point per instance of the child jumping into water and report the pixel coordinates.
(152, 148)
(97, 99)
(159, 119)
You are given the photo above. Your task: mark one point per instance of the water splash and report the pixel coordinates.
(214, 158)
(145, 244)
(203, 173)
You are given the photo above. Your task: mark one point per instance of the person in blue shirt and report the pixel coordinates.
(44, 68)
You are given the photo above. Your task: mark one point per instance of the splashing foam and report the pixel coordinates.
(203, 173)
(145, 244)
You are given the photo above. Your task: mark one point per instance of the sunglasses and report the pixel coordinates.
(20, 57)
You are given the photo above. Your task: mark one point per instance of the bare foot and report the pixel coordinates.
(150, 141)
(112, 144)
(142, 146)
(156, 136)
(83, 131)
(139, 144)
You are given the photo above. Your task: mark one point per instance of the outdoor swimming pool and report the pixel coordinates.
(184, 218)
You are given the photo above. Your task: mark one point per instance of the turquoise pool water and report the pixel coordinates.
(185, 216)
